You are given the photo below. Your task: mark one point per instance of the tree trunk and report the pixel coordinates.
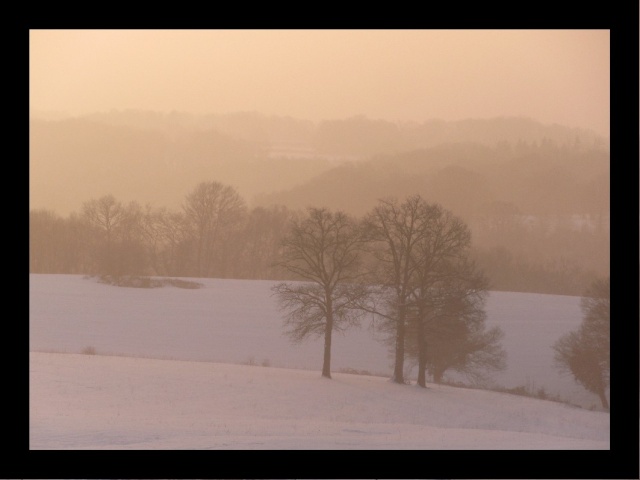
(326, 364)
(422, 356)
(109, 264)
(398, 373)
(199, 258)
(603, 399)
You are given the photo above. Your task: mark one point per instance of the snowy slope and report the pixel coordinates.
(237, 321)
(100, 402)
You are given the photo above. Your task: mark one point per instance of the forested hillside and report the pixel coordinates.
(157, 157)
(536, 197)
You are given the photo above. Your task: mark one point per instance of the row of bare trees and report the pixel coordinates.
(214, 234)
(407, 264)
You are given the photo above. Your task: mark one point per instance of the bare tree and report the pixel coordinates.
(173, 231)
(151, 236)
(447, 296)
(105, 215)
(133, 255)
(211, 211)
(323, 251)
(394, 230)
(428, 292)
(586, 353)
(449, 325)
(46, 232)
(260, 241)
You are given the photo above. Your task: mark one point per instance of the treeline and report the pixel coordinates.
(356, 135)
(215, 234)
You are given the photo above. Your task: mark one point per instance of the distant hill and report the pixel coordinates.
(532, 208)
(536, 197)
(75, 160)
(468, 178)
(158, 158)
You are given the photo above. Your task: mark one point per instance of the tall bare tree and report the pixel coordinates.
(212, 210)
(46, 230)
(447, 296)
(173, 231)
(105, 214)
(448, 324)
(260, 241)
(323, 251)
(394, 230)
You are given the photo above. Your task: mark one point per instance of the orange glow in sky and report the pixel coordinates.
(553, 76)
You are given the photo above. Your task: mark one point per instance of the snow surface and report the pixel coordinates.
(168, 375)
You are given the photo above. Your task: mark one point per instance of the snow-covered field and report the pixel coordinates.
(168, 375)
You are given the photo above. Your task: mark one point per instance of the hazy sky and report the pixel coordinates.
(554, 76)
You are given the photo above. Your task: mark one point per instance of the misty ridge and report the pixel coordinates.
(535, 196)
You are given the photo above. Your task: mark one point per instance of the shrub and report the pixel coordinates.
(542, 393)
(88, 351)
(181, 283)
(145, 282)
(354, 371)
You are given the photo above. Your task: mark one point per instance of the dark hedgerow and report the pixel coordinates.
(135, 281)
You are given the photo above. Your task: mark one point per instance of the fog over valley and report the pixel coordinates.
(533, 194)
(320, 239)
(507, 129)
(157, 157)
